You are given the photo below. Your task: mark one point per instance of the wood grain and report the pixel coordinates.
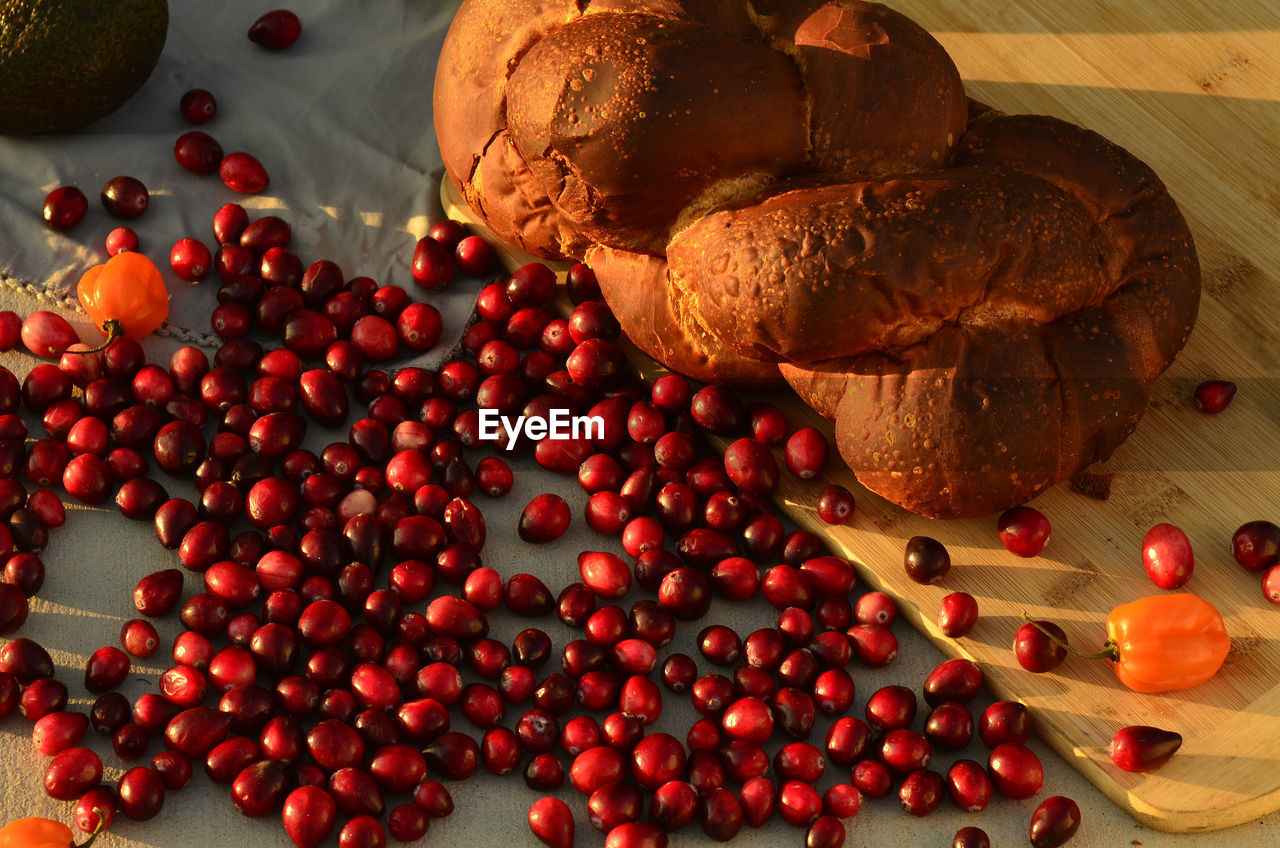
(1193, 89)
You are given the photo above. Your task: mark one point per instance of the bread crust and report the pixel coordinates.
(801, 188)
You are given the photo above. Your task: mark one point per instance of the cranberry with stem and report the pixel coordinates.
(1040, 646)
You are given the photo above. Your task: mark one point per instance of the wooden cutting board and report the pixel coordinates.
(1195, 90)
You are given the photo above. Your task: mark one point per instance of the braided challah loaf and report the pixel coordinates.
(980, 302)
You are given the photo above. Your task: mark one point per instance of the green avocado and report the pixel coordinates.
(65, 63)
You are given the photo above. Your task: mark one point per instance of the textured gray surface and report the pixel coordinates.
(336, 138)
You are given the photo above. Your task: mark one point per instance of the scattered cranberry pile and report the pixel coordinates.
(343, 630)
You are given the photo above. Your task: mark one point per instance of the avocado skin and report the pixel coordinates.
(66, 63)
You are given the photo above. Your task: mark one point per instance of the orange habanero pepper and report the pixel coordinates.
(125, 296)
(1162, 643)
(39, 833)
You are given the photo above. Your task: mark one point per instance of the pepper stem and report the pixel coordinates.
(1109, 650)
(113, 330)
(96, 830)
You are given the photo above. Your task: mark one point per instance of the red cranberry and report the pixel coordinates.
(1141, 748)
(125, 197)
(835, 505)
(794, 712)
(971, 837)
(679, 672)
(949, 725)
(957, 614)
(968, 786)
(872, 778)
(46, 333)
(197, 152)
(686, 593)
(719, 644)
(604, 573)
(551, 820)
(1015, 771)
(198, 106)
(432, 266)
(799, 803)
(64, 207)
(926, 560)
(1004, 721)
(921, 792)
(1213, 396)
(1167, 556)
(891, 707)
(847, 740)
(309, 813)
(876, 646)
(432, 796)
(751, 467)
(721, 814)
(1054, 822)
(242, 172)
(826, 832)
(1256, 545)
(758, 797)
(1023, 531)
(715, 409)
(544, 519)
(956, 679)
(674, 805)
(807, 452)
(276, 30)
(106, 669)
(1040, 646)
(597, 767)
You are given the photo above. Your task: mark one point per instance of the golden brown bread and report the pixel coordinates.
(979, 301)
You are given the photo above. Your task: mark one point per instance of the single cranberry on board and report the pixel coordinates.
(1040, 646)
(1213, 396)
(1167, 556)
(957, 614)
(1139, 748)
(835, 505)
(926, 560)
(1023, 531)
(1256, 545)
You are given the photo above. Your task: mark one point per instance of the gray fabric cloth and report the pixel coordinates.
(341, 120)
